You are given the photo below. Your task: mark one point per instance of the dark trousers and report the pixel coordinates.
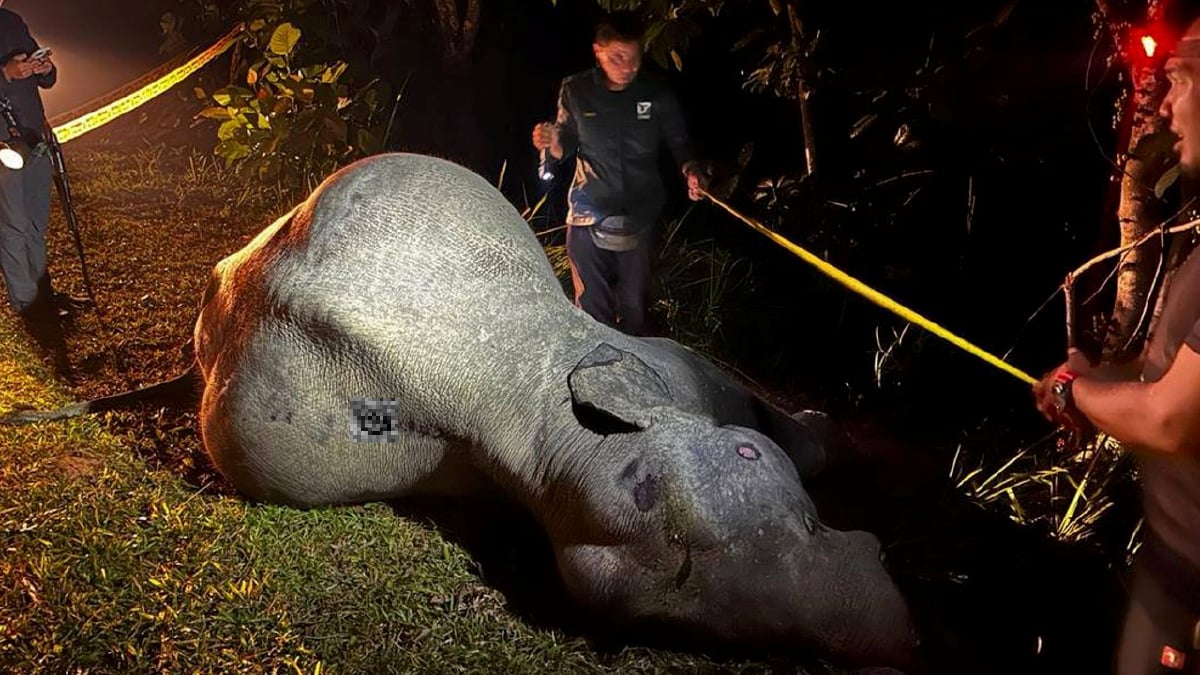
(1159, 626)
(24, 217)
(611, 286)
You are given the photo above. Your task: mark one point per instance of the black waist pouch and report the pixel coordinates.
(616, 233)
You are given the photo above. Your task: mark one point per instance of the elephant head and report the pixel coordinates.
(706, 528)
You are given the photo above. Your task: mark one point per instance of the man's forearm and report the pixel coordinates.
(1125, 410)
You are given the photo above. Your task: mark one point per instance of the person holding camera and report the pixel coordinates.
(613, 118)
(25, 192)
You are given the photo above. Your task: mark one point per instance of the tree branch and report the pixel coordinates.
(1117, 251)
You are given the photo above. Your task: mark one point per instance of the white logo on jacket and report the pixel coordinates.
(643, 110)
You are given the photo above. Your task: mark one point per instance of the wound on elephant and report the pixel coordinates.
(645, 493)
(619, 386)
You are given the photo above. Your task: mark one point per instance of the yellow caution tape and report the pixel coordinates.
(79, 125)
(873, 295)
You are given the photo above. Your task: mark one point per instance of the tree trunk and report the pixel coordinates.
(458, 31)
(1138, 213)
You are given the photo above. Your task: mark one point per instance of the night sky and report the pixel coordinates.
(98, 46)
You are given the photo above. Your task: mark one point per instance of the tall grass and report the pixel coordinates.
(1075, 489)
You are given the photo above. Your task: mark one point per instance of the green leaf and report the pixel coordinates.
(232, 151)
(748, 39)
(284, 39)
(653, 31)
(228, 129)
(216, 113)
(332, 74)
(232, 95)
(1169, 176)
(367, 142)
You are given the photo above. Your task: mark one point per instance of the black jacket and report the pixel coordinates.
(615, 137)
(23, 94)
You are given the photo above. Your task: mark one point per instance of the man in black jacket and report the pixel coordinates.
(613, 119)
(25, 193)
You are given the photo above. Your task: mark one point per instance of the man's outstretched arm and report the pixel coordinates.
(1161, 416)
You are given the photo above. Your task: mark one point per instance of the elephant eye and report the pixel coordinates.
(748, 452)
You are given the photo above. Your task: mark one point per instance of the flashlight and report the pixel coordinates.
(10, 157)
(544, 170)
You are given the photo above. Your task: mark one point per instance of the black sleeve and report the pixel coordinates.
(568, 128)
(675, 131)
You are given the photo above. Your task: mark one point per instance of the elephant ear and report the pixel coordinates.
(617, 385)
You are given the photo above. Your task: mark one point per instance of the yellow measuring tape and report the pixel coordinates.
(81, 124)
(873, 295)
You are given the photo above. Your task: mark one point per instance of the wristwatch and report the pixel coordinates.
(1061, 390)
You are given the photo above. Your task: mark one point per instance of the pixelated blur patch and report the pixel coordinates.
(374, 420)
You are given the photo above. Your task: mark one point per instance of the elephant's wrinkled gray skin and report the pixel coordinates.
(408, 278)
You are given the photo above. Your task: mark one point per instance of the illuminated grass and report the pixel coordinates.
(1068, 486)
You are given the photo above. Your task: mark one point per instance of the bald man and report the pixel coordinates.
(1152, 405)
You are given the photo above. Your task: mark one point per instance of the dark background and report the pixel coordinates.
(1019, 118)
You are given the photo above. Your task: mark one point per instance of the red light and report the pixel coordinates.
(1146, 45)
(1149, 45)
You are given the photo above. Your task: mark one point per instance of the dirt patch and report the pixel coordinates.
(76, 467)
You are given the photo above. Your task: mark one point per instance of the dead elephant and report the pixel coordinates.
(401, 332)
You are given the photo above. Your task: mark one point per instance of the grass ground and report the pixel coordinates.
(125, 551)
